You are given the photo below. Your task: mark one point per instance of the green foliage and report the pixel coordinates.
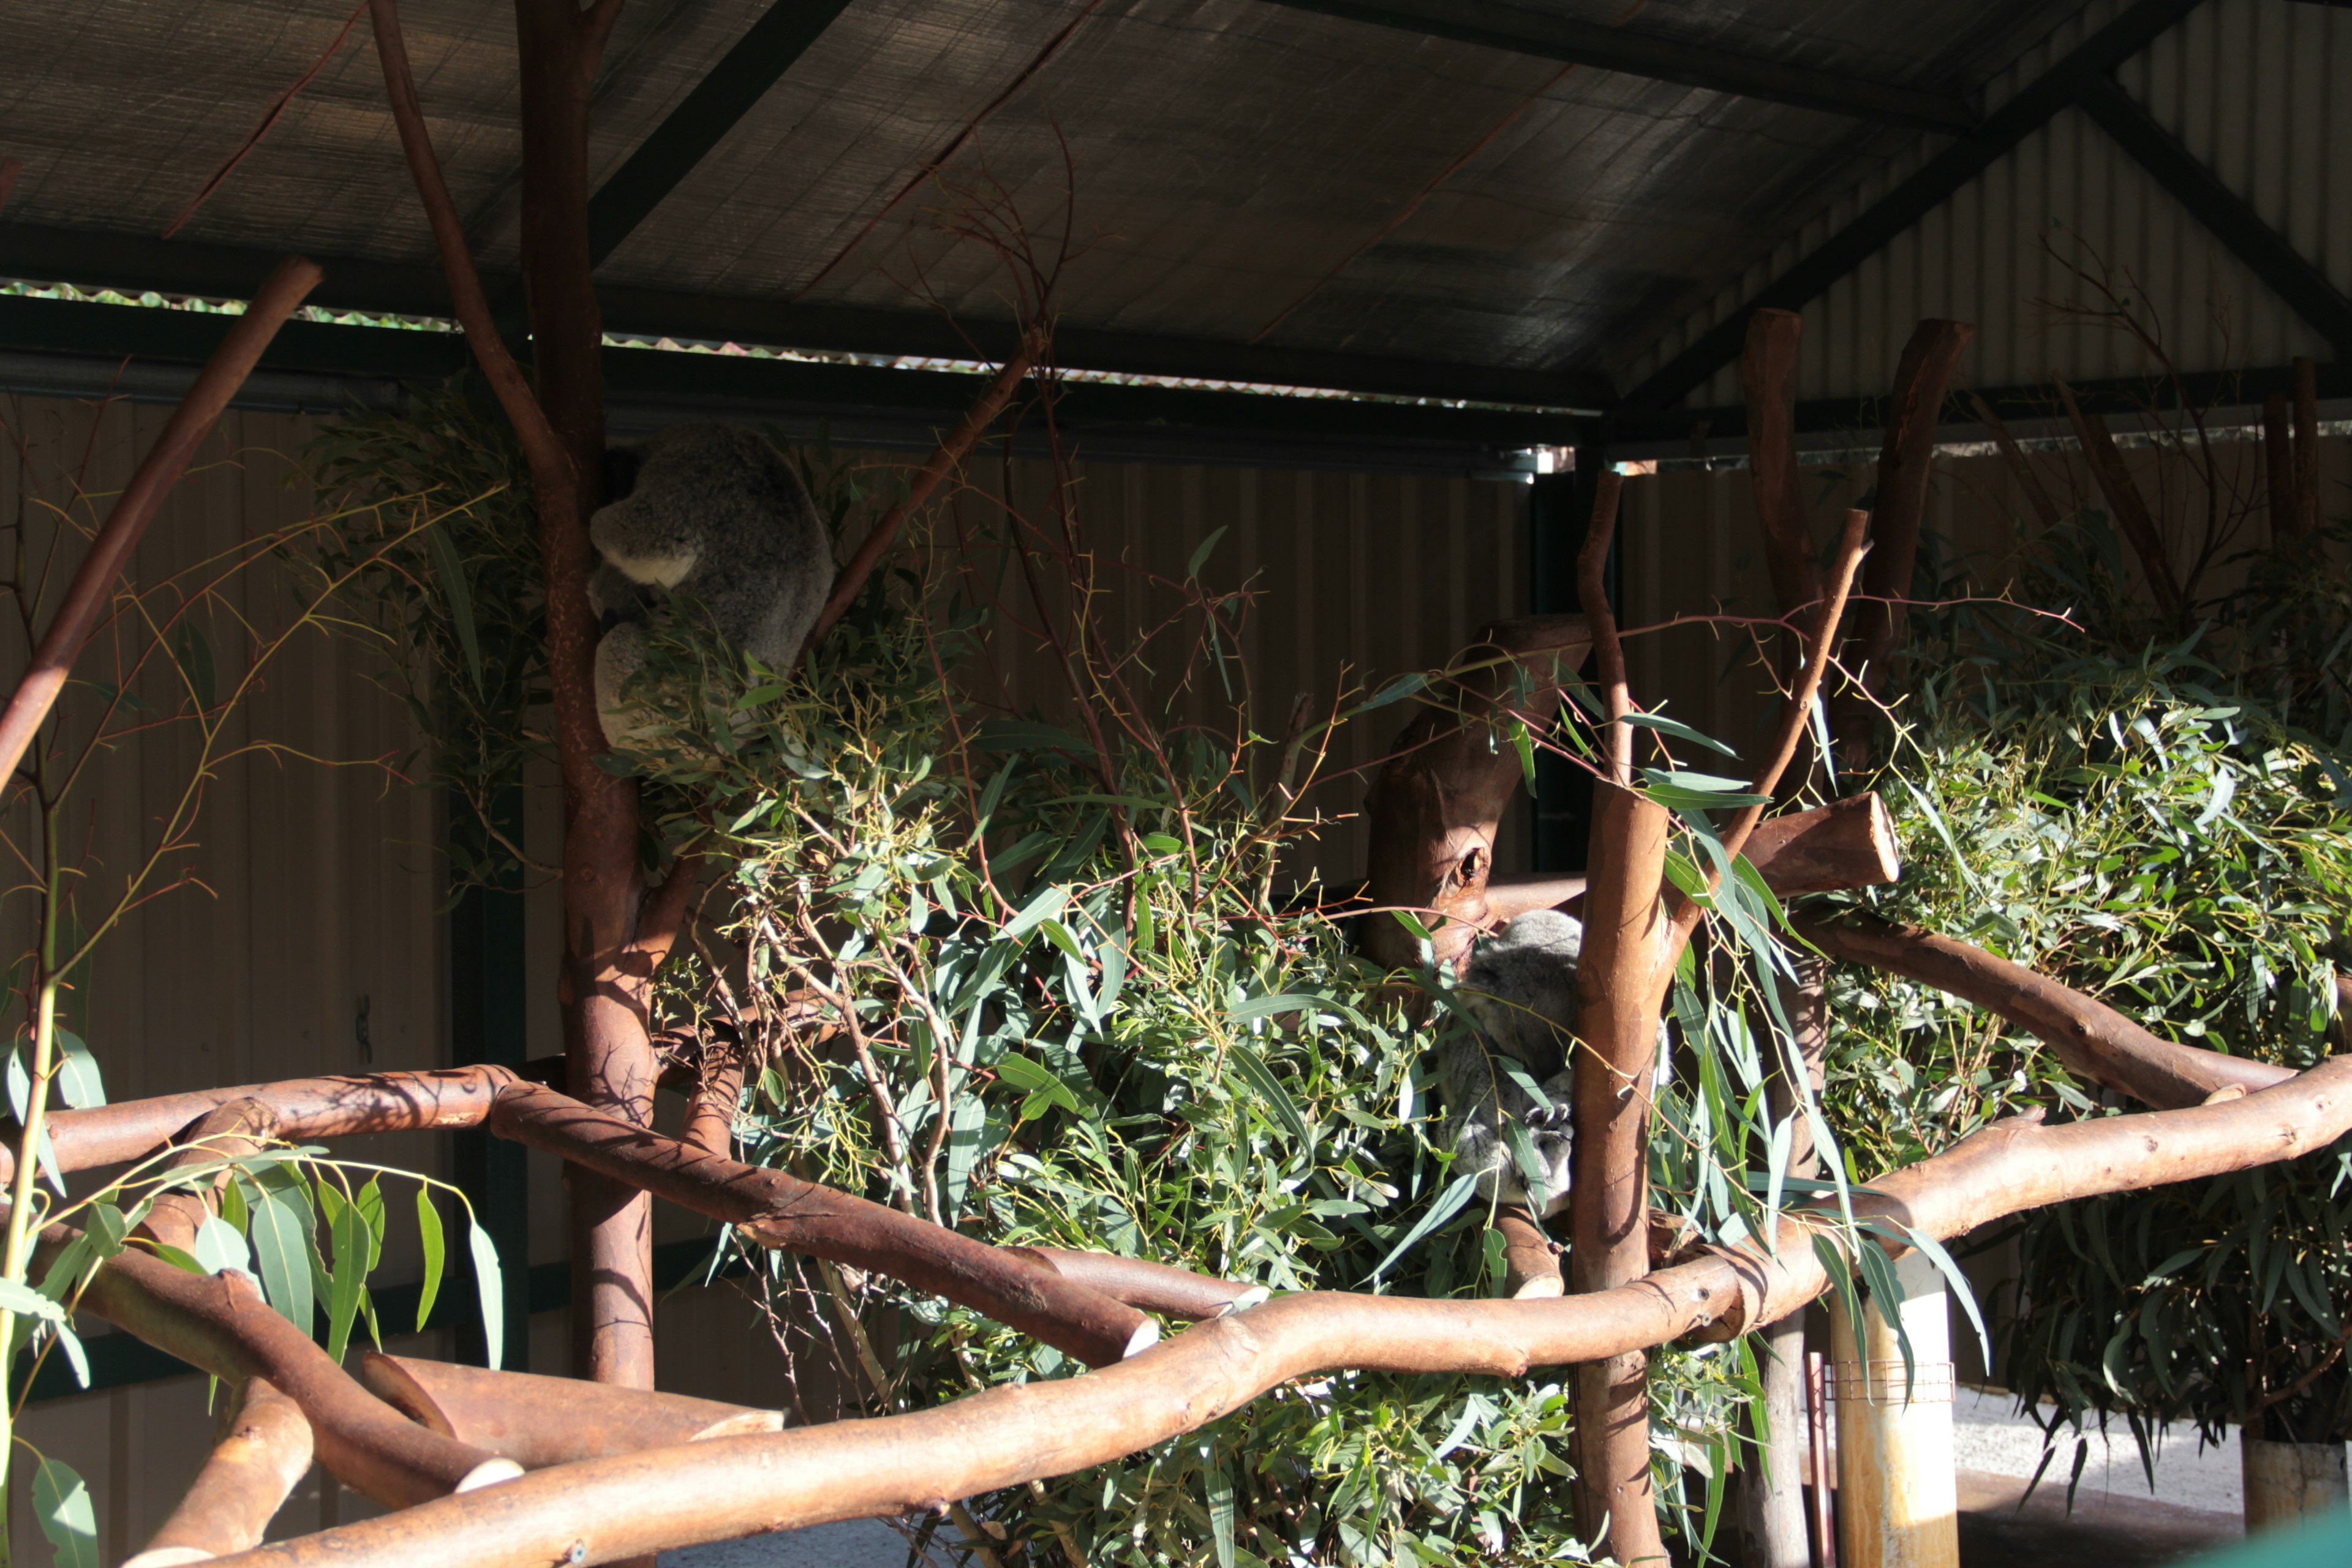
(2126, 818)
(1061, 1002)
(441, 546)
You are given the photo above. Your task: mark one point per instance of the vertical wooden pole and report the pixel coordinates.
(609, 1056)
(1772, 1502)
(1898, 1500)
(1625, 932)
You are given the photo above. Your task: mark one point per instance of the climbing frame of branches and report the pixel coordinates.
(487, 1468)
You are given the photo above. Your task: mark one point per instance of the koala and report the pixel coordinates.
(1520, 985)
(715, 512)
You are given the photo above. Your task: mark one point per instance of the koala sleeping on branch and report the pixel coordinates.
(715, 513)
(1520, 985)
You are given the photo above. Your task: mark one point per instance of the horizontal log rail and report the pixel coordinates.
(774, 1208)
(542, 1421)
(608, 1510)
(1847, 843)
(306, 1108)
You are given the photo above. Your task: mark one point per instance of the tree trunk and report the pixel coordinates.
(610, 1060)
(1625, 928)
(1876, 628)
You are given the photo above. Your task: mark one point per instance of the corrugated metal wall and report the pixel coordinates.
(2253, 88)
(321, 891)
(1690, 548)
(1351, 580)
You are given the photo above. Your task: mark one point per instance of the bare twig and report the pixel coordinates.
(951, 452)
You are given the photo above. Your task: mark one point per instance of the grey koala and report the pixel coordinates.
(714, 511)
(1520, 985)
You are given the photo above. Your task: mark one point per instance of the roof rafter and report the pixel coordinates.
(703, 117)
(1548, 37)
(2283, 270)
(1929, 188)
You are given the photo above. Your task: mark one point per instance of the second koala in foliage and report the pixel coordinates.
(1521, 987)
(716, 513)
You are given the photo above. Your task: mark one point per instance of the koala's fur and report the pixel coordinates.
(1520, 985)
(713, 511)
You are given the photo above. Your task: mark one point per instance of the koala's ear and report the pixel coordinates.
(621, 466)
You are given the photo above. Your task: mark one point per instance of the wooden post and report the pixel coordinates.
(1626, 931)
(1898, 1502)
(2285, 1482)
(1772, 1503)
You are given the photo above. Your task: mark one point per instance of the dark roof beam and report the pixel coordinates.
(1667, 432)
(2283, 270)
(703, 117)
(133, 263)
(1934, 184)
(1548, 37)
(718, 383)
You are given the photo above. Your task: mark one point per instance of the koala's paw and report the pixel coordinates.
(620, 654)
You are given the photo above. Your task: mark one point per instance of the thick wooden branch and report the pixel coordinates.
(1849, 843)
(1767, 374)
(776, 1209)
(92, 588)
(542, 1421)
(1437, 804)
(2126, 504)
(251, 1473)
(1626, 929)
(220, 1325)
(1626, 933)
(2093, 1040)
(230, 1131)
(730, 1487)
(1915, 410)
(718, 1091)
(1145, 1285)
(306, 1108)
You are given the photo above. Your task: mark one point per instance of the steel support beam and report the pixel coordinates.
(2123, 396)
(2283, 270)
(726, 385)
(1550, 37)
(133, 263)
(740, 78)
(1935, 184)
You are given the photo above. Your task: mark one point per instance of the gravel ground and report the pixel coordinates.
(1989, 1436)
(858, 1543)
